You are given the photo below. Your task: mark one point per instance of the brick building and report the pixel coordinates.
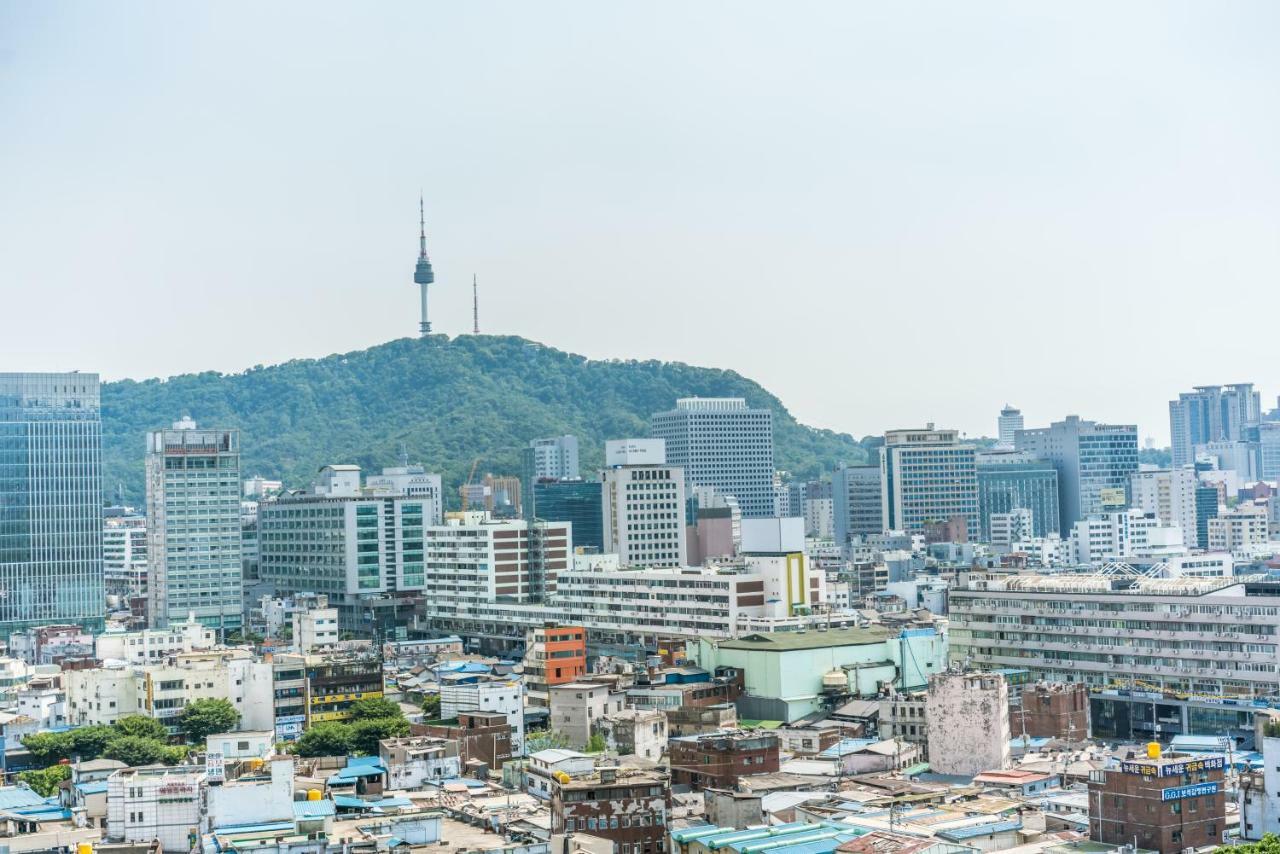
(1052, 710)
(1167, 803)
(628, 808)
(718, 760)
(484, 736)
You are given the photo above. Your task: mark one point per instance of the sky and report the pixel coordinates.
(886, 213)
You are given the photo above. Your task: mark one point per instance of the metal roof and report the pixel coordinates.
(790, 641)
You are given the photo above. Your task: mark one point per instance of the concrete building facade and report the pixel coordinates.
(1094, 463)
(722, 442)
(970, 712)
(929, 476)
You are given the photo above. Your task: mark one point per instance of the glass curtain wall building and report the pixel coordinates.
(50, 500)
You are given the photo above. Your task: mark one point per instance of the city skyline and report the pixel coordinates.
(1072, 206)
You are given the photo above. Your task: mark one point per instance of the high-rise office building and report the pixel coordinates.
(1206, 509)
(578, 502)
(930, 477)
(721, 442)
(857, 503)
(1094, 463)
(193, 526)
(363, 549)
(1008, 424)
(1269, 450)
(1170, 494)
(1013, 480)
(1211, 413)
(411, 481)
(643, 504)
(50, 500)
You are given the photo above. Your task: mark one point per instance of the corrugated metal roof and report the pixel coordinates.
(956, 834)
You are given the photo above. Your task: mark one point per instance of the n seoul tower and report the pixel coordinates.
(422, 274)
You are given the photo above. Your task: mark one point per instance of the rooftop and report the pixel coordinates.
(790, 641)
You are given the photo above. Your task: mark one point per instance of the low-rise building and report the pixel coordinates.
(547, 766)
(639, 732)
(719, 760)
(413, 762)
(164, 804)
(470, 693)
(554, 655)
(480, 736)
(628, 808)
(697, 720)
(575, 706)
(1167, 803)
(154, 646)
(1052, 710)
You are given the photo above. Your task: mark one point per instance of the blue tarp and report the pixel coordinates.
(313, 809)
(15, 797)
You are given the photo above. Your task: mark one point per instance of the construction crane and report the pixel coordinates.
(471, 476)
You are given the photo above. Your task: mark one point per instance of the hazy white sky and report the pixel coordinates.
(887, 213)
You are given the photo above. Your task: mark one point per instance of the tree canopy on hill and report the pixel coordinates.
(448, 401)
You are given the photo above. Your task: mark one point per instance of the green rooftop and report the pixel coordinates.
(811, 639)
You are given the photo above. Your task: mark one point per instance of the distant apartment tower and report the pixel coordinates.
(929, 476)
(857, 502)
(1206, 509)
(1211, 413)
(1013, 480)
(124, 556)
(50, 501)
(1170, 494)
(193, 526)
(555, 458)
(1094, 463)
(1008, 424)
(721, 442)
(643, 501)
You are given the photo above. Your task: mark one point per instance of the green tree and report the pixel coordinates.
(86, 742)
(596, 744)
(135, 750)
(204, 718)
(431, 706)
(44, 782)
(366, 734)
(327, 739)
(141, 726)
(375, 707)
(1269, 844)
(545, 740)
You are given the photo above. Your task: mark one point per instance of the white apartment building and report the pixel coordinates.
(1124, 534)
(643, 504)
(722, 442)
(576, 706)
(164, 804)
(928, 476)
(555, 458)
(124, 555)
(315, 628)
(819, 518)
(153, 646)
(1168, 493)
(419, 760)
(474, 560)
(1241, 530)
(499, 696)
(162, 691)
(1012, 527)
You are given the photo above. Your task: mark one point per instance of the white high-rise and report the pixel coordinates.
(1168, 493)
(193, 526)
(555, 458)
(721, 442)
(643, 504)
(1008, 424)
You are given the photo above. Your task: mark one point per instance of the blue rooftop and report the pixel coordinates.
(347, 802)
(270, 827)
(313, 809)
(96, 787)
(960, 833)
(845, 746)
(16, 797)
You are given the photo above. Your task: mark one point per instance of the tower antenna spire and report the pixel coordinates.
(423, 275)
(475, 306)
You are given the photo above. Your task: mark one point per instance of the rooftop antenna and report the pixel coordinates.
(404, 454)
(475, 306)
